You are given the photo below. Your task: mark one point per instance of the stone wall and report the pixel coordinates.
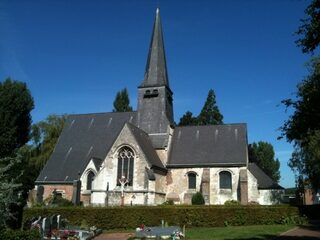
(162, 154)
(253, 192)
(135, 194)
(177, 184)
(270, 197)
(220, 196)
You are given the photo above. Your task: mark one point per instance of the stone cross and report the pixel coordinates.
(123, 181)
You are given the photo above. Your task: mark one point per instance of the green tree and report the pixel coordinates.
(16, 104)
(44, 136)
(210, 113)
(9, 190)
(303, 126)
(122, 102)
(310, 28)
(197, 199)
(188, 120)
(262, 153)
(30, 159)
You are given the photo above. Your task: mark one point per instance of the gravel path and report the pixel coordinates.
(114, 236)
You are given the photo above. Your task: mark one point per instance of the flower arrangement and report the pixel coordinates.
(177, 235)
(140, 228)
(69, 235)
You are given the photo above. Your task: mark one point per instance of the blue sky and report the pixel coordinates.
(75, 55)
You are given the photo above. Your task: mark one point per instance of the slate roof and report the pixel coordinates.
(213, 145)
(264, 181)
(97, 162)
(84, 136)
(159, 141)
(156, 68)
(145, 144)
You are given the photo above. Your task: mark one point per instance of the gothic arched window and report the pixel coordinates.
(90, 177)
(225, 180)
(192, 180)
(125, 165)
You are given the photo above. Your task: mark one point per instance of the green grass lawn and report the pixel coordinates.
(241, 232)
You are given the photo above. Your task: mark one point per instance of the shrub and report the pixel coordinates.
(168, 202)
(231, 203)
(9, 234)
(197, 199)
(311, 211)
(57, 201)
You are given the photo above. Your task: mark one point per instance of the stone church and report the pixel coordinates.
(141, 157)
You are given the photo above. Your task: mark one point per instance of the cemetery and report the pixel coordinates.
(56, 227)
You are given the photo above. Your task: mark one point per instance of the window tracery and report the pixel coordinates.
(125, 165)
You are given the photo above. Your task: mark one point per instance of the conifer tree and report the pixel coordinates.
(122, 102)
(188, 120)
(210, 113)
(16, 104)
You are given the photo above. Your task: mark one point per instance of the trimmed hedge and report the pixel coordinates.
(9, 234)
(190, 216)
(311, 211)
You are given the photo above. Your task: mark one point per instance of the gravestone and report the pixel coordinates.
(39, 196)
(76, 192)
(46, 226)
(54, 222)
(59, 222)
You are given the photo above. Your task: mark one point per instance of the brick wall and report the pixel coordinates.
(66, 190)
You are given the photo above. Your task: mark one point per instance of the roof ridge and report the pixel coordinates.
(212, 125)
(98, 113)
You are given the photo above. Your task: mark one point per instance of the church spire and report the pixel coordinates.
(156, 68)
(155, 106)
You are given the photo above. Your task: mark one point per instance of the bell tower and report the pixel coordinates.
(155, 109)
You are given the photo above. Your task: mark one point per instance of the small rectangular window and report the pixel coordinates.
(192, 180)
(225, 180)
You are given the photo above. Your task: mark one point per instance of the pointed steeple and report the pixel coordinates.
(155, 106)
(156, 68)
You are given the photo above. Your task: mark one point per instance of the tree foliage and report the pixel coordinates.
(8, 189)
(16, 104)
(303, 126)
(122, 102)
(262, 153)
(188, 120)
(209, 114)
(16, 174)
(44, 136)
(310, 28)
